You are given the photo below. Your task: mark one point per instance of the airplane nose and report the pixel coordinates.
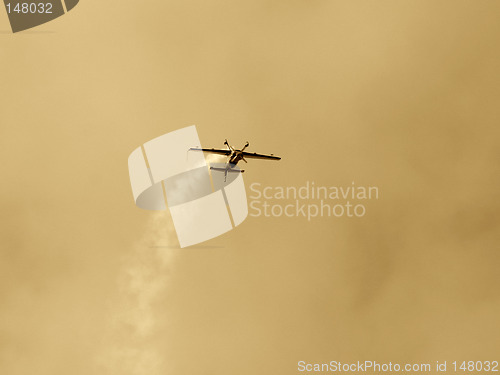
(24, 14)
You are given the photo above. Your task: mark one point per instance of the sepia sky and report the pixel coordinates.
(401, 95)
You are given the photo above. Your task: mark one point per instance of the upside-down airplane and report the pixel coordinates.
(234, 156)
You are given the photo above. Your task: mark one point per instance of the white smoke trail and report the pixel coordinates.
(130, 344)
(215, 159)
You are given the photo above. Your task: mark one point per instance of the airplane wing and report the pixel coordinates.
(212, 150)
(254, 155)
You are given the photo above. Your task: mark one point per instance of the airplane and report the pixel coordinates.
(234, 156)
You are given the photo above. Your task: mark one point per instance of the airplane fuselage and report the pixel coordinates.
(234, 158)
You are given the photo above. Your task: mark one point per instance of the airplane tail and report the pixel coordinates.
(228, 170)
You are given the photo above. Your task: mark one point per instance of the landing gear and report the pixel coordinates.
(228, 145)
